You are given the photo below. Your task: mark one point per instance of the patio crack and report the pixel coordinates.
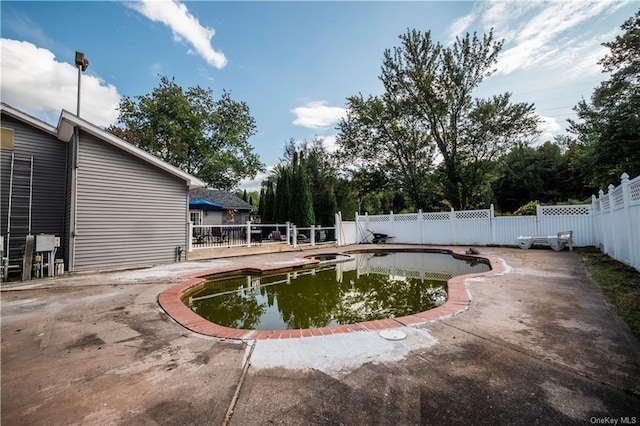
(236, 394)
(530, 354)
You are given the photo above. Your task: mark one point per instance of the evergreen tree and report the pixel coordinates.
(305, 175)
(269, 203)
(285, 199)
(283, 194)
(302, 203)
(325, 213)
(277, 199)
(261, 204)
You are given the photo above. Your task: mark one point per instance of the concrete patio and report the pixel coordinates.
(539, 344)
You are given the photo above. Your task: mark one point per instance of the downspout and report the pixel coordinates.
(74, 199)
(81, 65)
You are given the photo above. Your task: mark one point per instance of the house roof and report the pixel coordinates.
(69, 121)
(26, 118)
(65, 131)
(228, 200)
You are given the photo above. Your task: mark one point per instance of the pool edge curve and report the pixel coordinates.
(458, 300)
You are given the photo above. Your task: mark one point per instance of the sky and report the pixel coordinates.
(293, 63)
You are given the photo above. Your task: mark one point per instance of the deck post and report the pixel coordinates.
(288, 224)
(294, 235)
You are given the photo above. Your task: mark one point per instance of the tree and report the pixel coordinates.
(191, 130)
(261, 203)
(322, 172)
(526, 174)
(430, 86)
(347, 198)
(302, 213)
(305, 185)
(608, 128)
(269, 203)
(379, 133)
(543, 173)
(283, 195)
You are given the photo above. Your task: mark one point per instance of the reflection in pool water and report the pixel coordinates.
(367, 287)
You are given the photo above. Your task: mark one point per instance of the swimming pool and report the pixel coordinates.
(340, 289)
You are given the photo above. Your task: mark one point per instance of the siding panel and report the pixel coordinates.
(130, 213)
(49, 178)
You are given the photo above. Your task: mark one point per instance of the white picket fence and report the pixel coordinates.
(611, 222)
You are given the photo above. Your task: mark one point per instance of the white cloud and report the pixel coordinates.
(34, 82)
(24, 27)
(155, 70)
(329, 142)
(184, 26)
(548, 127)
(500, 13)
(580, 59)
(255, 183)
(316, 115)
(460, 26)
(551, 33)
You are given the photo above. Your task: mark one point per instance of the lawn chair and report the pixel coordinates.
(277, 236)
(212, 236)
(557, 242)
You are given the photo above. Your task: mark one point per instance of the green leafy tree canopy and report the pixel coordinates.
(191, 130)
(428, 97)
(608, 127)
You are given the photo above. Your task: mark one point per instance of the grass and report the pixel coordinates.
(620, 284)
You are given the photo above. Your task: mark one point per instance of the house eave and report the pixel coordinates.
(26, 118)
(69, 121)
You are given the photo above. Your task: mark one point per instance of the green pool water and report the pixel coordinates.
(369, 286)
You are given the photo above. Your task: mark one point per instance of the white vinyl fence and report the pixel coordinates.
(611, 222)
(617, 221)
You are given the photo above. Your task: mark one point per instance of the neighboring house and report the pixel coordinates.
(209, 206)
(112, 205)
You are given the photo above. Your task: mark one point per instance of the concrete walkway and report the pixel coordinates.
(538, 345)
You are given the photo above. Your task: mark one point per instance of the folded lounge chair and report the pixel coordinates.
(556, 242)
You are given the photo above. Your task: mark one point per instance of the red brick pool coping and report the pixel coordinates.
(458, 300)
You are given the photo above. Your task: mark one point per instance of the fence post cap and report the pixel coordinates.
(624, 177)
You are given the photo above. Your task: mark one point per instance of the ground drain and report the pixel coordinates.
(391, 334)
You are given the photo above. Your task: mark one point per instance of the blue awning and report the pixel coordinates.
(205, 205)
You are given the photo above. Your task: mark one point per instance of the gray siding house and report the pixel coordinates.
(232, 209)
(112, 204)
